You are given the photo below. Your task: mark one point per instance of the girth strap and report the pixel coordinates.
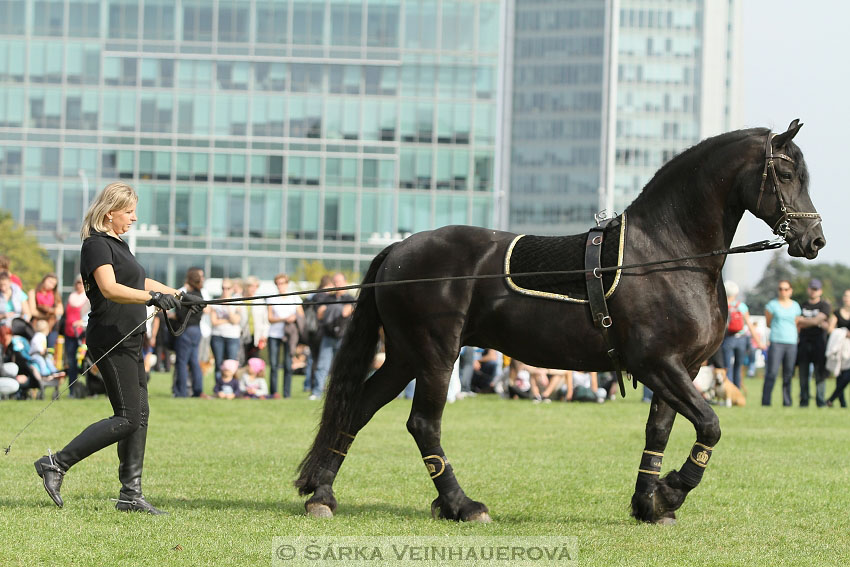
(596, 295)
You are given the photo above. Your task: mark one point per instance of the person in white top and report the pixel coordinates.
(283, 311)
(226, 321)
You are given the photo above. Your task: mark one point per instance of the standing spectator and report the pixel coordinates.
(5, 266)
(811, 349)
(841, 320)
(186, 345)
(735, 342)
(334, 316)
(282, 311)
(226, 329)
(255, 332)
(313, 331)
(76, 318)
(45, 304)
(13, 301)
(781, 315)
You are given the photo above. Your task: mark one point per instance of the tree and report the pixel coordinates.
(835, 279)
(27, 258)
(313, 272)
(779, 268)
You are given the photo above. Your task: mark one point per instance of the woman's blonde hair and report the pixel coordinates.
(114, 196)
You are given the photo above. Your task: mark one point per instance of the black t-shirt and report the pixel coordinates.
(333, 323)
(110, 321)
(810, 309)
(194, 318)
(842, 322)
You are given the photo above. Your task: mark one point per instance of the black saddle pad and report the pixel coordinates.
(557, 253)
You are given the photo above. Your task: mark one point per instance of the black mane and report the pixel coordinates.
(685, 163)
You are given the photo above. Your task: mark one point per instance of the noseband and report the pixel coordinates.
(783, 224)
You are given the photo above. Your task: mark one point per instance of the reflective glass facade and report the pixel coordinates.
(257, 133)
(604, 93)
(557, 114)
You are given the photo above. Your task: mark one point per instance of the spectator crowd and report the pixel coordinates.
(252, 347)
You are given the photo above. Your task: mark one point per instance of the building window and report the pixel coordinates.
(308, 22)
(197, 20)
(48, 17)
(123, 19)
(159, 22)
(382, 25)
(233, 18)
(346, 22)
(190, 211)
(272, 22)
(13, 17)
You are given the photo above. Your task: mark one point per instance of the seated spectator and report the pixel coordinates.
(6, 266)
(12, 347)
(608, 382)
(227, 386)
(252, 384)
(487, 369)
(43, 361)
(526, 381)
(584, 387)
(13, 301)
(552, 385)
(45, 304)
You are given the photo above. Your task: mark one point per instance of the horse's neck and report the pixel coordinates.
(691, 217)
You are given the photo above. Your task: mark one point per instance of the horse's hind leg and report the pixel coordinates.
(381, 388)
(424, 424)
(658, 429)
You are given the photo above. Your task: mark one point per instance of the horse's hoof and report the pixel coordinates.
(666, 521)
(480, 517)
(316, 510)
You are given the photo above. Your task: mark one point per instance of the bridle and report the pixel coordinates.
(784, 223)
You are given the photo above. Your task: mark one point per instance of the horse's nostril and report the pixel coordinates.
(818, 243)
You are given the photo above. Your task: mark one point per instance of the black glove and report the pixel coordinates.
(193, 305)
(164, 301)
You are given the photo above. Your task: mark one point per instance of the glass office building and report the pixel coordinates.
(607, 91)
(258, 133)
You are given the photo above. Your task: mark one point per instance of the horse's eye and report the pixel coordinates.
(785, 176)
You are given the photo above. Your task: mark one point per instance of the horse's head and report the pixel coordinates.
(783, 200)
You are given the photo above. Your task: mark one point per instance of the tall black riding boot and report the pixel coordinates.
(131, 456)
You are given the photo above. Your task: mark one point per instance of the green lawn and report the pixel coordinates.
(776, 492)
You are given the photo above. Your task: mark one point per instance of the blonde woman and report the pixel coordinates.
(118, 290)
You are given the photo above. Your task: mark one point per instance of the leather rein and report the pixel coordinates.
(783, 225)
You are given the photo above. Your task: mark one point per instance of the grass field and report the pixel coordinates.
(776, 492)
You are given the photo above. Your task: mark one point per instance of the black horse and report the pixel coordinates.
(667, 319)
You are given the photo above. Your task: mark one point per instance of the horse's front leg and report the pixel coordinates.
(675, 390)
(646, 503)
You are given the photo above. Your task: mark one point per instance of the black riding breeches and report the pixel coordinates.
(123, 373)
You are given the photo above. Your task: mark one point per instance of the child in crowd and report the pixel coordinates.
(251, 383)
(39, 357)
(227, 387)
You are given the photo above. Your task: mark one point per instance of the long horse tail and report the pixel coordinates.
(347, 375)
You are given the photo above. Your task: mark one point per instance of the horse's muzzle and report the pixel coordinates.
(809, 243)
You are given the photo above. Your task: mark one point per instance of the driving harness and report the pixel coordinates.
(783, 224)
(596, 293)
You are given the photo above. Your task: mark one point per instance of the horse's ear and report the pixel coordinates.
(781, 139)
